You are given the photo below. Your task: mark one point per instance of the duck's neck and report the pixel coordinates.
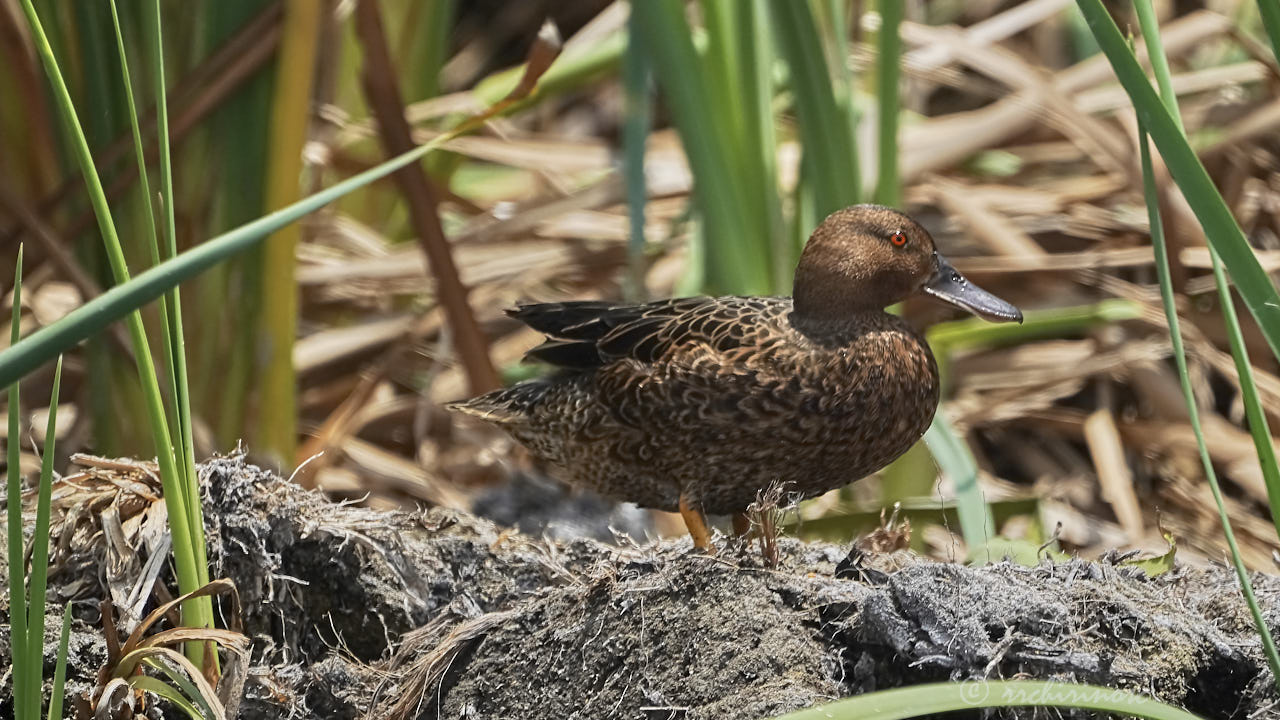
(824, 296)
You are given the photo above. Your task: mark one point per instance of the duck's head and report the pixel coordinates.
(868, 257)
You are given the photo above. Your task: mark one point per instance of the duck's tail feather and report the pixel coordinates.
(508, 406)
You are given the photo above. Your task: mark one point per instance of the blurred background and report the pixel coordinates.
(670, 149)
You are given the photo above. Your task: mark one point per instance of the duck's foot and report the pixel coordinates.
(741, 525)
(696, 521)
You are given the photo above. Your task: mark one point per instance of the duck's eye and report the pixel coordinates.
(898, 238)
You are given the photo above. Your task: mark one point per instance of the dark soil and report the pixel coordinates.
(358, 613)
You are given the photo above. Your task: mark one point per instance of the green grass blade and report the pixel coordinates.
(953, 456)
(179, 683)
(40, 547)
(759, 138)
(1179, 356)
(719, 190)
(144, 187)
(170, 323)
(948, 337)
(1259, 428)
(635, 132)
(824, 129)
(173, 319)
(60, 670)
(739, 62)
(1160, 67)
(17, 557)
(174, 339)
(1150, 26)
(1270, 11)
(921, 700)
(949, 451)
(144, 181)
(888, 187)
(198, 614)
(1258, 425)
(162, 689)
(119, 301)
(1224, 234)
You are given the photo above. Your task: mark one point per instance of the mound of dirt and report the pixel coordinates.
(359, 613)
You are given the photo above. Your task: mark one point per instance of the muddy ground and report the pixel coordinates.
(356, 613)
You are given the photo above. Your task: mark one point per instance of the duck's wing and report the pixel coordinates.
(584, 335)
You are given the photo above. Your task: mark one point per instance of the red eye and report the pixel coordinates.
(898, 238)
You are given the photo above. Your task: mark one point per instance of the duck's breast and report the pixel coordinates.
(871, 389)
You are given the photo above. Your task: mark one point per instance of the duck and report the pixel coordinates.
(697, 405)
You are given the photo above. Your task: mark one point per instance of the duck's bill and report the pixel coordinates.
(949, 285)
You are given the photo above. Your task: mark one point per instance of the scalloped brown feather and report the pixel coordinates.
(715, 397)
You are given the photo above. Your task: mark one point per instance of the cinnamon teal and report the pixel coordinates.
(696, 404)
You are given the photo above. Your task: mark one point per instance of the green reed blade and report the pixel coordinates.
(719, 189)
(1270, 11)
(174, 337)
(17, 557)
(39, 577)
(174, 493)
(1160, 67)
(1225, 235)
(1258, 426)
(60, 670)
(635, 132)
(922, 700)
(888, 186)
(1180, 358)
(954, 458)
(825, 130)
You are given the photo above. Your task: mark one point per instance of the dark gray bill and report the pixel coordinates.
(948, 284)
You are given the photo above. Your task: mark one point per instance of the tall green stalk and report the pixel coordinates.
(196, 614)
(290, 114)
(1252, 281)
(174, 337)
(719, 188)
(1160, 67)
(60, 669)
(27, 592)
(40, 553)
(825, 131)
(172, 345)
(635, 132)
(13, 497)
(1258, 426)
(1188, 396)
(888, 187)
(1270, 11)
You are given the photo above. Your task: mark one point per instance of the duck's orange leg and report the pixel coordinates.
(696, 522)
(741, 524)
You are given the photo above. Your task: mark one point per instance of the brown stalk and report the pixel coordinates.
(378, 78)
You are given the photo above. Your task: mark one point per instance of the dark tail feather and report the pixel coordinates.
(578, 320)
(506, 406)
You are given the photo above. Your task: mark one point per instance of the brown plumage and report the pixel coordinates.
(696, 404)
